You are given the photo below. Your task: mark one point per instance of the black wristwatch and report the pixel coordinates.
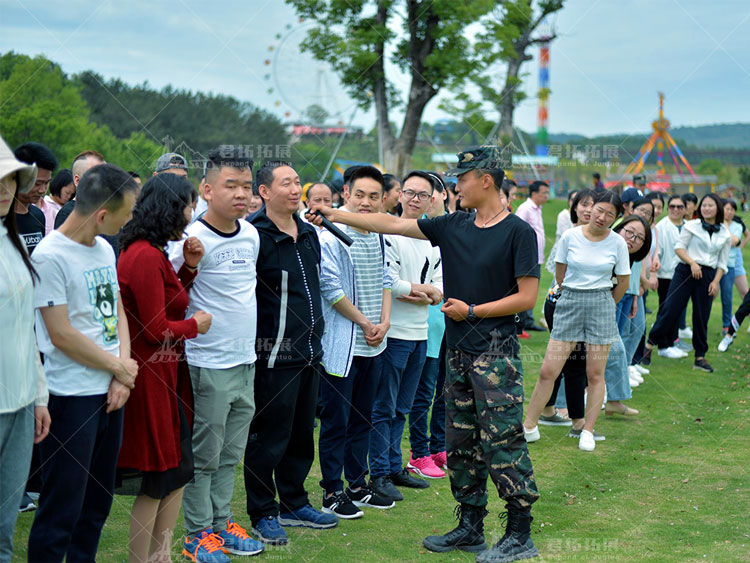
(471, 316)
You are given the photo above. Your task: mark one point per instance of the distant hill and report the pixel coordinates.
(721, 135)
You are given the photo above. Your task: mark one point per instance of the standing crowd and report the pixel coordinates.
(159, 337)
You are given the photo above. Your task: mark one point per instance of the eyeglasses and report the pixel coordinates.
(676, 206)
(409, 194)
(632, 235)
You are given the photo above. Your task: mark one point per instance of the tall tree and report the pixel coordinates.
(506, 40)
(358, 36)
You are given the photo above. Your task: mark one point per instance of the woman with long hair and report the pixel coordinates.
(24, 418)
(735, 251)
(156, 458)
(586, 258)
(703, 250)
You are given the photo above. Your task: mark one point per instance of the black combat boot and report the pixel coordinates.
(467, 536)
(516, 544)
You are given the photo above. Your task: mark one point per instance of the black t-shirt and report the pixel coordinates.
(479, 266)
(31, 227)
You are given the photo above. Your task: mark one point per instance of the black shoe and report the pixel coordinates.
(341, 505)
(703, 365)
(646, 359)
(467, 536)
(404, 479)
(516, 544)
(365, 496)
(536, 328)
(27, 505)
(384, 487)
(647, 310)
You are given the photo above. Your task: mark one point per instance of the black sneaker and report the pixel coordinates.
(703, 365)
(404, 479)
(365, 496)
(646, 359)
(382, 486)
(341, 505)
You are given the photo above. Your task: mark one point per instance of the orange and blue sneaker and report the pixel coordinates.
(205, 547)
(237, 542)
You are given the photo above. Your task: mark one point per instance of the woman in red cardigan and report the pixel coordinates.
(156, 456)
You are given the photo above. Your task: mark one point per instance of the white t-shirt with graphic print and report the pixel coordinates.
(85, 279)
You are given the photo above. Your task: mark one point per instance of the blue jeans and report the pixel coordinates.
(345, 423)
(616, 373)
(726, 284)
(16, 438)
(402, 367)
(631, 330)
(429, 393)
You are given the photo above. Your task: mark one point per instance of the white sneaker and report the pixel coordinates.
(685, 333)
(531, 435)
(586, 442)
(726, 342)
(672, 352)
(633, 383)
(634, 374)
(642, 370)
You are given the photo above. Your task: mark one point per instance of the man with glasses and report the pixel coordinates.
(418, 283)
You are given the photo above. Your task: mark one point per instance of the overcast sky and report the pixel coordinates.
(610, 59)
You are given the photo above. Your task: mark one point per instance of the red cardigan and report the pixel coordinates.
(155, 301)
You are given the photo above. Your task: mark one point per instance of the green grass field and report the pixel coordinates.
(670, 485)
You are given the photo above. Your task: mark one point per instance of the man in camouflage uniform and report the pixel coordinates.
(490, 273)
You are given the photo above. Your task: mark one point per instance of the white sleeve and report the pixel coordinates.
(50, 290)
(562, 247)
(622, 266)
(724, 256)
(393, 258)
(437, 270)
(174, 249)
(683, 241)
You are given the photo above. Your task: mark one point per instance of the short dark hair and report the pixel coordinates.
(159, 213)
(134, 174)
(497, 175)
(228, 156)
(536, 185)
(719, 208)
(597, 176)
(63, 178)
(729, 201)
(366, 172)
(689, 197)
(36, 153)
(389, 182)
(646, 247)
(582, 194)
(675, 196)
(103, 186)
(420, 174)
(264, 175)
(608, 196)
(438, 181)
(348, 173)
(655, 195)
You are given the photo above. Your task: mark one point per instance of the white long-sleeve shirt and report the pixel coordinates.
(411, 261)
(669, 233)
(711, 251)
(22, 379)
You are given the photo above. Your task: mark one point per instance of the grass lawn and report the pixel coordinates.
(669, 485)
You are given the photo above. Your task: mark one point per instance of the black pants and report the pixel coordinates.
(739, 315)
(280, 446)
(683, 288)
(78, 460)
(663, 291)
(573, 372)
(345, 423)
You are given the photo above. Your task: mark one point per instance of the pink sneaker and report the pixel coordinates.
(441, 460)
(425, 467)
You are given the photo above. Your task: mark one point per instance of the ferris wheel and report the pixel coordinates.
(298, 81)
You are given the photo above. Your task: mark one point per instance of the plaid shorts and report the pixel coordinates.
(585, 315)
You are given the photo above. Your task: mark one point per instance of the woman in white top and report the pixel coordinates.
(703, 250)
(24, 418)
(727, 281)
(586, 258)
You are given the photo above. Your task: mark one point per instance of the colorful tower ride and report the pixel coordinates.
(542, 147)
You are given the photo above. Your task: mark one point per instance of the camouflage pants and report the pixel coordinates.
(484, 435)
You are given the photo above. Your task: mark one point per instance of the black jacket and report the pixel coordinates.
(290, 311)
